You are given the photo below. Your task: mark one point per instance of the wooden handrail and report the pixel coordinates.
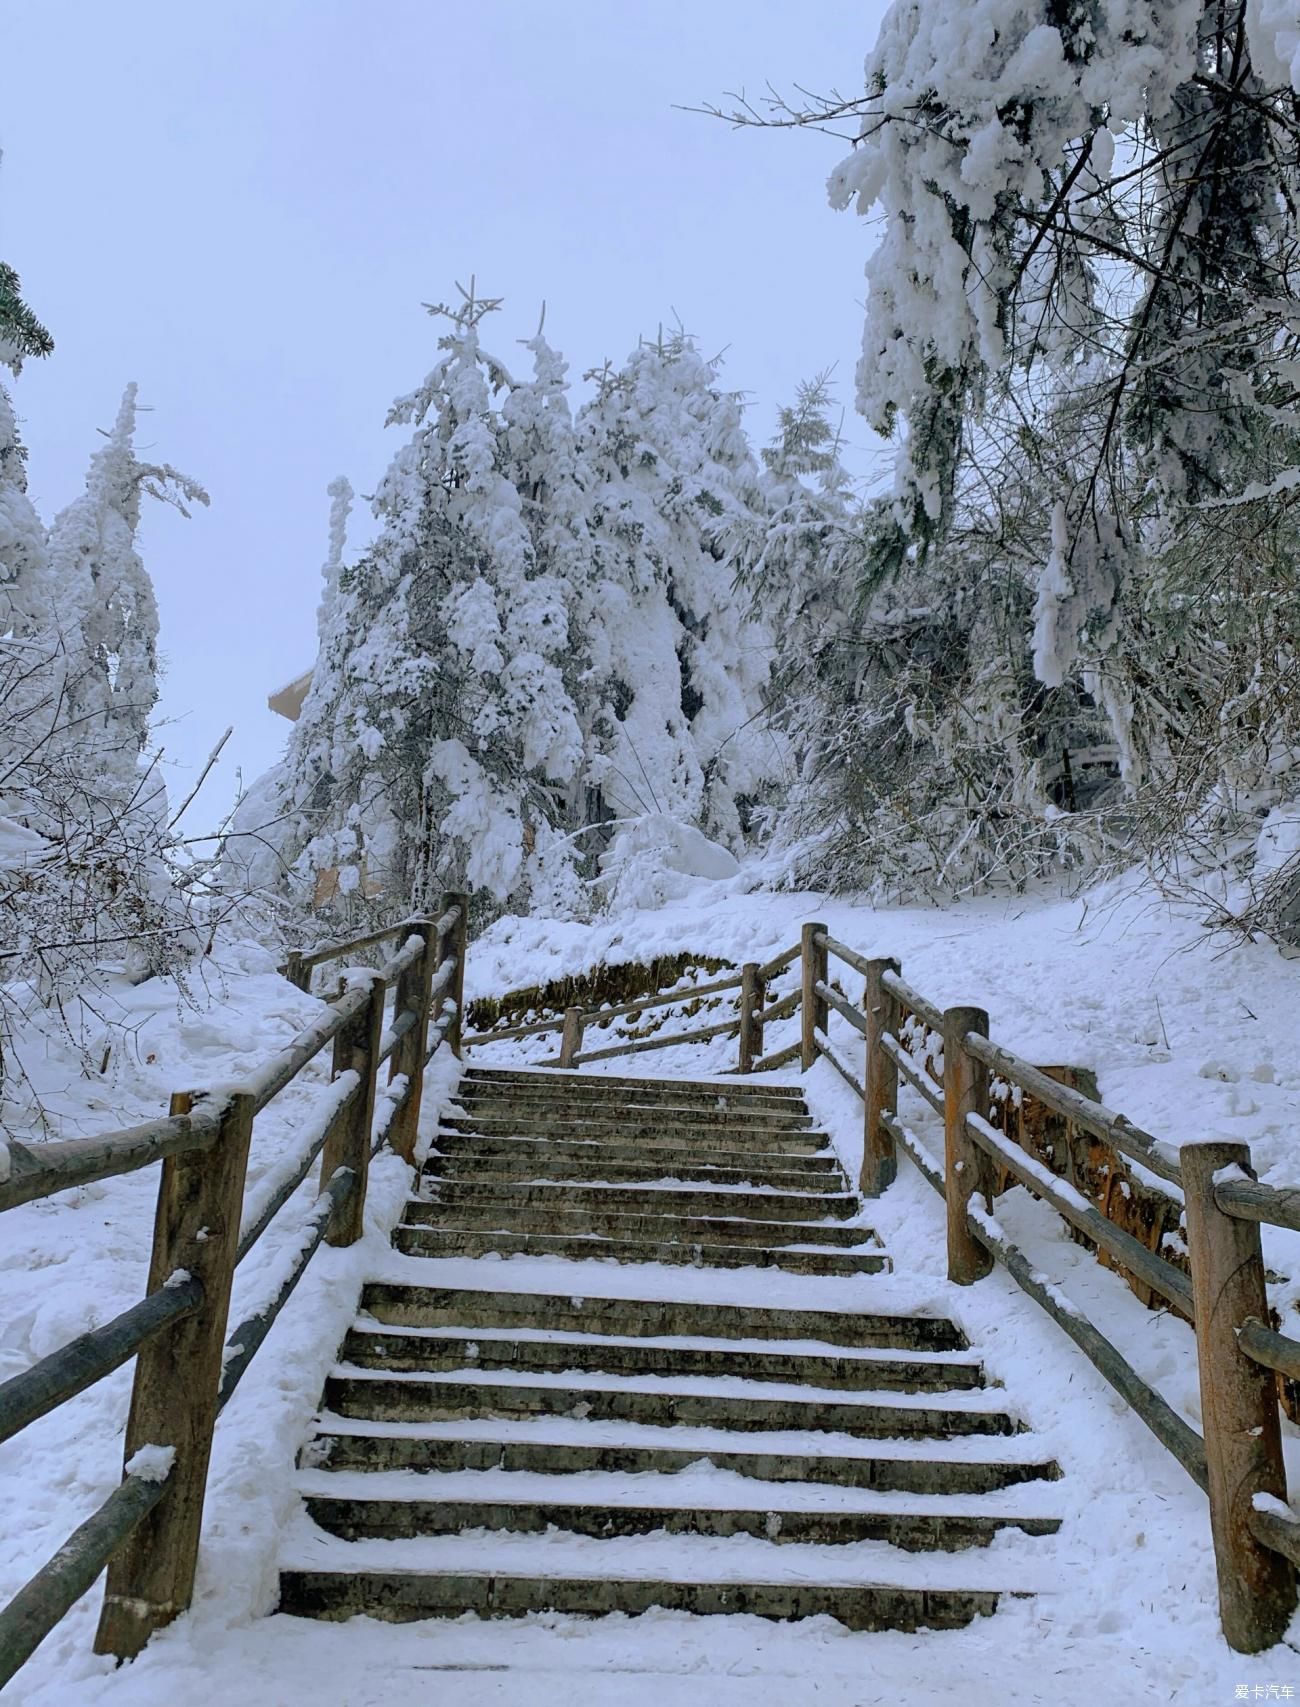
(147, 1531)
(914, 1001)
(44, 1601)
(1113, 1129)
(91, 1356)
(774, 967)
(781, 1010)
(40, 1170)
(596, 1016)
(644, 1043)
(1074, 1208)
(1248, 1200)
(1164, 1422)
(855, 1016)
(913, 1072)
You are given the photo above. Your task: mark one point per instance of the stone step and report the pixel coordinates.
(492, 1307)
(381, 1347)
(357, 1518)
(401, 1596)
(733, 1088)
(545, 1164)
(443, 1241)
(564, 1122)
(798, 1149)
(751, 1406)
(343, 1445)
(498, 1214)
(676, 1200)
(596, 1103)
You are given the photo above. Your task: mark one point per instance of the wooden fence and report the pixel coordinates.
(187, 1364)
(1237, 1461)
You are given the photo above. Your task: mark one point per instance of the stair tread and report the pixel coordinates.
(598, 1247)
(674, 1342)
(667, 1185)
(704, 1488)
(596, 1236)
(757, 1391)
(662, 1557)
(565, 1077)
(561, 1430)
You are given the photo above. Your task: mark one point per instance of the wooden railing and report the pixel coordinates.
(750, 985)
(187, 1363)
(1237, 1461)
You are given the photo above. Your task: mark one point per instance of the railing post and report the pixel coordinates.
(880, 1081)
(412, 994)
(454, 942)
(815, 965)
(1239, 1412)
(965, 1091)
(177, 1375)
(298, 975)
(753, 999)
(571, 1037)
(356, 1050)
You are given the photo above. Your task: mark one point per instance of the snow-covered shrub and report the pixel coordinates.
(655, 858)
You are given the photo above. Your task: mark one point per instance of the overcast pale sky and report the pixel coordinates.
(243, 205)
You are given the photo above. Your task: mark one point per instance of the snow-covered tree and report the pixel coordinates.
(684, 665)
(22, 537)
(102, 600)
(1086, 289)
(439, 725)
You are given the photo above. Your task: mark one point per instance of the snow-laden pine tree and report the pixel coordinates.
(439, 730)
(103, 604)
(542, 460)
(22, 537)
(682, 664)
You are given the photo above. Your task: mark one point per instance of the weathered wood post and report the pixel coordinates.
(815, 964)
(753, 999)
(177, 1375)
(356, 1050)
(412, 995)
(965, 1091)
(571, 1037)
(455, 942)
(880, 1081)
(298, 975)
(1239, 1412)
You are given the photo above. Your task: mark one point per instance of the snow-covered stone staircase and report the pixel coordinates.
(638, 1169)
(571, 1446)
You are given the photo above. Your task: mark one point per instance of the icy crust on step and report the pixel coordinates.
(491, 1202)
(849, 1295)
(700, 1486)
(667, 1342)
(691, 1437)
(1011, 1562)
(667, 1184)
(490, 1072)
(612, 1243)
(981, 1402)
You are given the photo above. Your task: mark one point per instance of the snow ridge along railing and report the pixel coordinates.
(188, 1362)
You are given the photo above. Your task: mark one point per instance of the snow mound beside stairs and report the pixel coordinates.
(567, 1445)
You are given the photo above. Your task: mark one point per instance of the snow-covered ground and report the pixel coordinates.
(1187, 1041)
